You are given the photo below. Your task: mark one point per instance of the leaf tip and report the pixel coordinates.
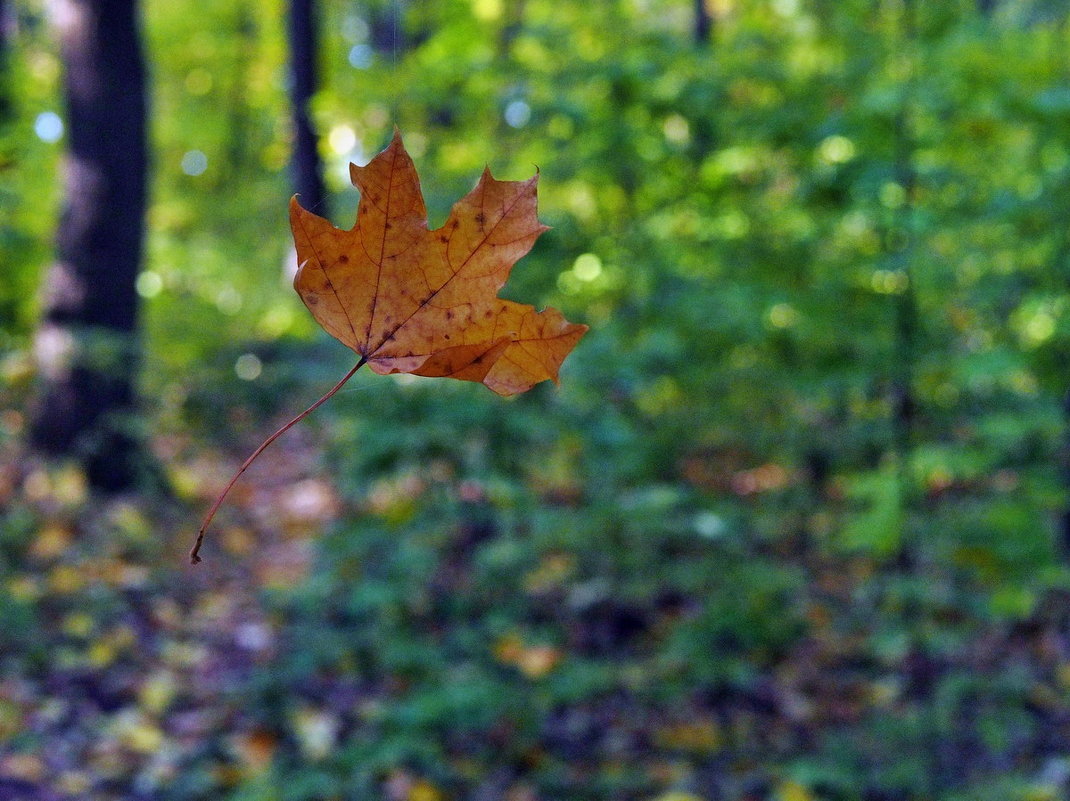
(298, 213)
(354, 174)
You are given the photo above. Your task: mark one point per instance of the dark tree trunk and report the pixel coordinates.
(904, 406)
(239, 154)
(387, 33)
(5, 67)
(703, 22)
(1065, 468)
(86, 346)
(307, 175)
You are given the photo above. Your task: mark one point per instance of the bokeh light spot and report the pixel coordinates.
(194, 162)
(229, 300)
(361, 56)
(836, 150)
(783, 315)
(342, 139)
(676, 129)
(587, 267)
(517, 114)
(355, 29)
(486, 10)
(48, 126)
(149, 284)
(248, 367)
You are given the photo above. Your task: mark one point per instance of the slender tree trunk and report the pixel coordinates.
(11, 309)
(703, 22)
(900, 245)
(239, 154)
(513, 26)
(86, 346)
(387, 32)
(1061, 268)
(906, 312)
(5, 66)
(1065, 469)
(307, 173)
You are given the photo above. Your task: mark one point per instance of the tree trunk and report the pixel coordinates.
(86, 346)
(307, 174)
(1064, 459)
(703, 22)
(5, 67)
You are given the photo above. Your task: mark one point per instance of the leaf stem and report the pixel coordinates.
(193, 555)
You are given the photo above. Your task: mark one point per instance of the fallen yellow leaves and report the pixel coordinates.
(534, 661)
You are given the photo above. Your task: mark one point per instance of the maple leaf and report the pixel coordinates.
(408, 299)
(412, 300)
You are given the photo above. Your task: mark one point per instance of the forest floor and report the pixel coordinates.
(121, 658)
(127, 673)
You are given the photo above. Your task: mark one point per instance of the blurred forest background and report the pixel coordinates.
(793, 527)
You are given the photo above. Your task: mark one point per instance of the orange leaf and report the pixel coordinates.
(411, 300)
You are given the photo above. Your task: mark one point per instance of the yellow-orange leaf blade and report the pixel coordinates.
(536, 345)
(417, 301)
